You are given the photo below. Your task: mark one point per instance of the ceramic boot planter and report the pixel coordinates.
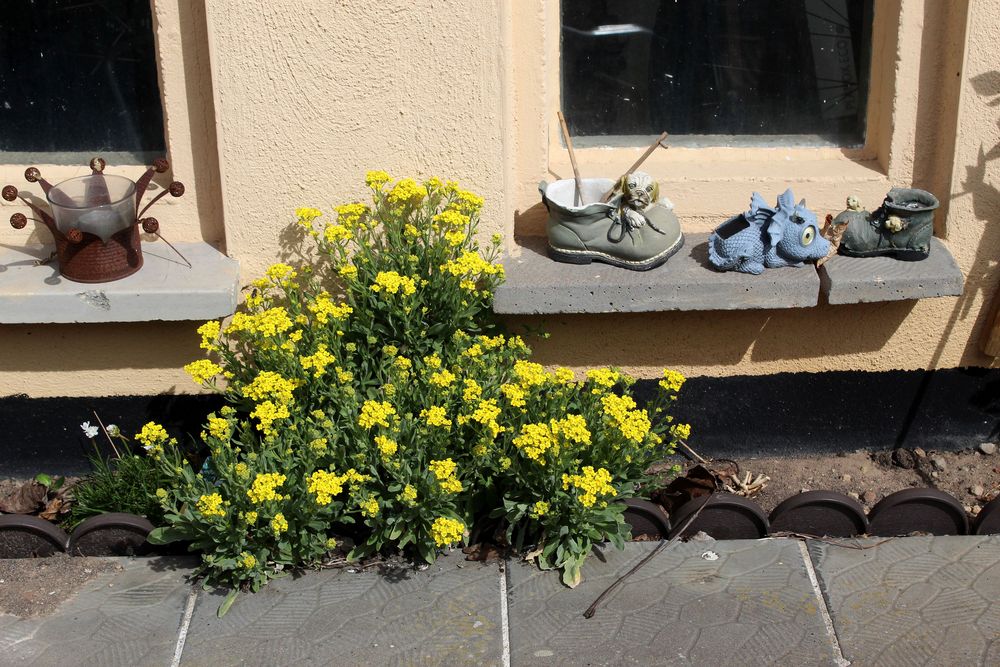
(902, 227)
(601, 232)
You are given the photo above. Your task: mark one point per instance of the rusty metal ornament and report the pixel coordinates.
(88, 252)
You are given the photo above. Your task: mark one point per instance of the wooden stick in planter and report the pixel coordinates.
(649, 151)
(578, 193)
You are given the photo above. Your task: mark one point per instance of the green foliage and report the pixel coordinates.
(369, 389)
(123, 484)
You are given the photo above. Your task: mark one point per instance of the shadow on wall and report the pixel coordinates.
(982, 275)
(628, 339)
(97, 347)
(201, 119)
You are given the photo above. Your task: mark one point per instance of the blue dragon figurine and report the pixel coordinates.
(767, 237)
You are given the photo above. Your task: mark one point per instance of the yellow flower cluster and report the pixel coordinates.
(514, 394)
(153, 437)
(432, 361)
(307, 214)
(251, 517)
(539, 509)
(325, 485)
(486, 412)
(573, 428)
(270, 385)
(218, 428)
(386, 446)
(280, 273)
(603, 377)
(681, 431)
(267, 413)
(263, 487)
(318, 445)
(443, 378)
(672, 381)
(209, 332)
(450, 219)
(472, 390)
(202, 371)
(375, 412)
(447, 531)
(279, 524)
(391, 282)
(633, 424)
(348, 215)
(242, 470)
(324, 308)
(376, 179)
(408, 495)
(469, 263)
(211, 505)
(592, 482)
(369, 507)
(318, 361)
(534, 440)
(530, 374)
(406, 192)
(246, 561)
(468, 202)
(348, 272)
(267, 323)
(436, 416)
(444, 471)
(336, 233)
(564, 376)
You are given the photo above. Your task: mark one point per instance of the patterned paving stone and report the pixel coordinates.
(125, 618)
(754, 605)
(914, 600)
(448, 614)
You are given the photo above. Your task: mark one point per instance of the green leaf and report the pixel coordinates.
(43, 479)
(166, 535)
(228, 602)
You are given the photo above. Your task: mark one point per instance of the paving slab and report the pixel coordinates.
(753, 605)
(535, 284)
(126, 618)
(914, 600)
(865, 279)
(448, 614)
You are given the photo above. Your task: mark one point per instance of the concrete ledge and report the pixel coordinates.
(864, 280)
(536, 284)
(164, 289)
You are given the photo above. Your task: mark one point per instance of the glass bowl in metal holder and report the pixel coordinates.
(94, 220)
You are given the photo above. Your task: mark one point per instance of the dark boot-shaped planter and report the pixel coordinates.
(902, 227)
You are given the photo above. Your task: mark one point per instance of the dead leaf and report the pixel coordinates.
(27, 499)
(53, 509)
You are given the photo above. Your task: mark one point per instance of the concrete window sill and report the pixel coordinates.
(537, 285)
(164, 289)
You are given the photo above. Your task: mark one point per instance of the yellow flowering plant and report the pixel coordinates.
(370, 392)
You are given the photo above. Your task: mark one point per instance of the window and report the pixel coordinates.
(78, 77)
(716, 72)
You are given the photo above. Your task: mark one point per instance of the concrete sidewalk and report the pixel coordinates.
(905, 601)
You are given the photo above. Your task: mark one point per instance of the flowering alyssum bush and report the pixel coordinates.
(370, 387)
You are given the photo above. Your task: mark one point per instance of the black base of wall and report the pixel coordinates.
(786, 413)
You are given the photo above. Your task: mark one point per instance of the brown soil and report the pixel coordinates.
(872, 476)
(37, 586)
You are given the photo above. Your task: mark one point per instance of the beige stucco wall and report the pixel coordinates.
(274, 104)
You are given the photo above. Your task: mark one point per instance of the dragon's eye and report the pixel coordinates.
(808, 234)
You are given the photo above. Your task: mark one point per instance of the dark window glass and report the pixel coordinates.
(717, 71)
(78, 76)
